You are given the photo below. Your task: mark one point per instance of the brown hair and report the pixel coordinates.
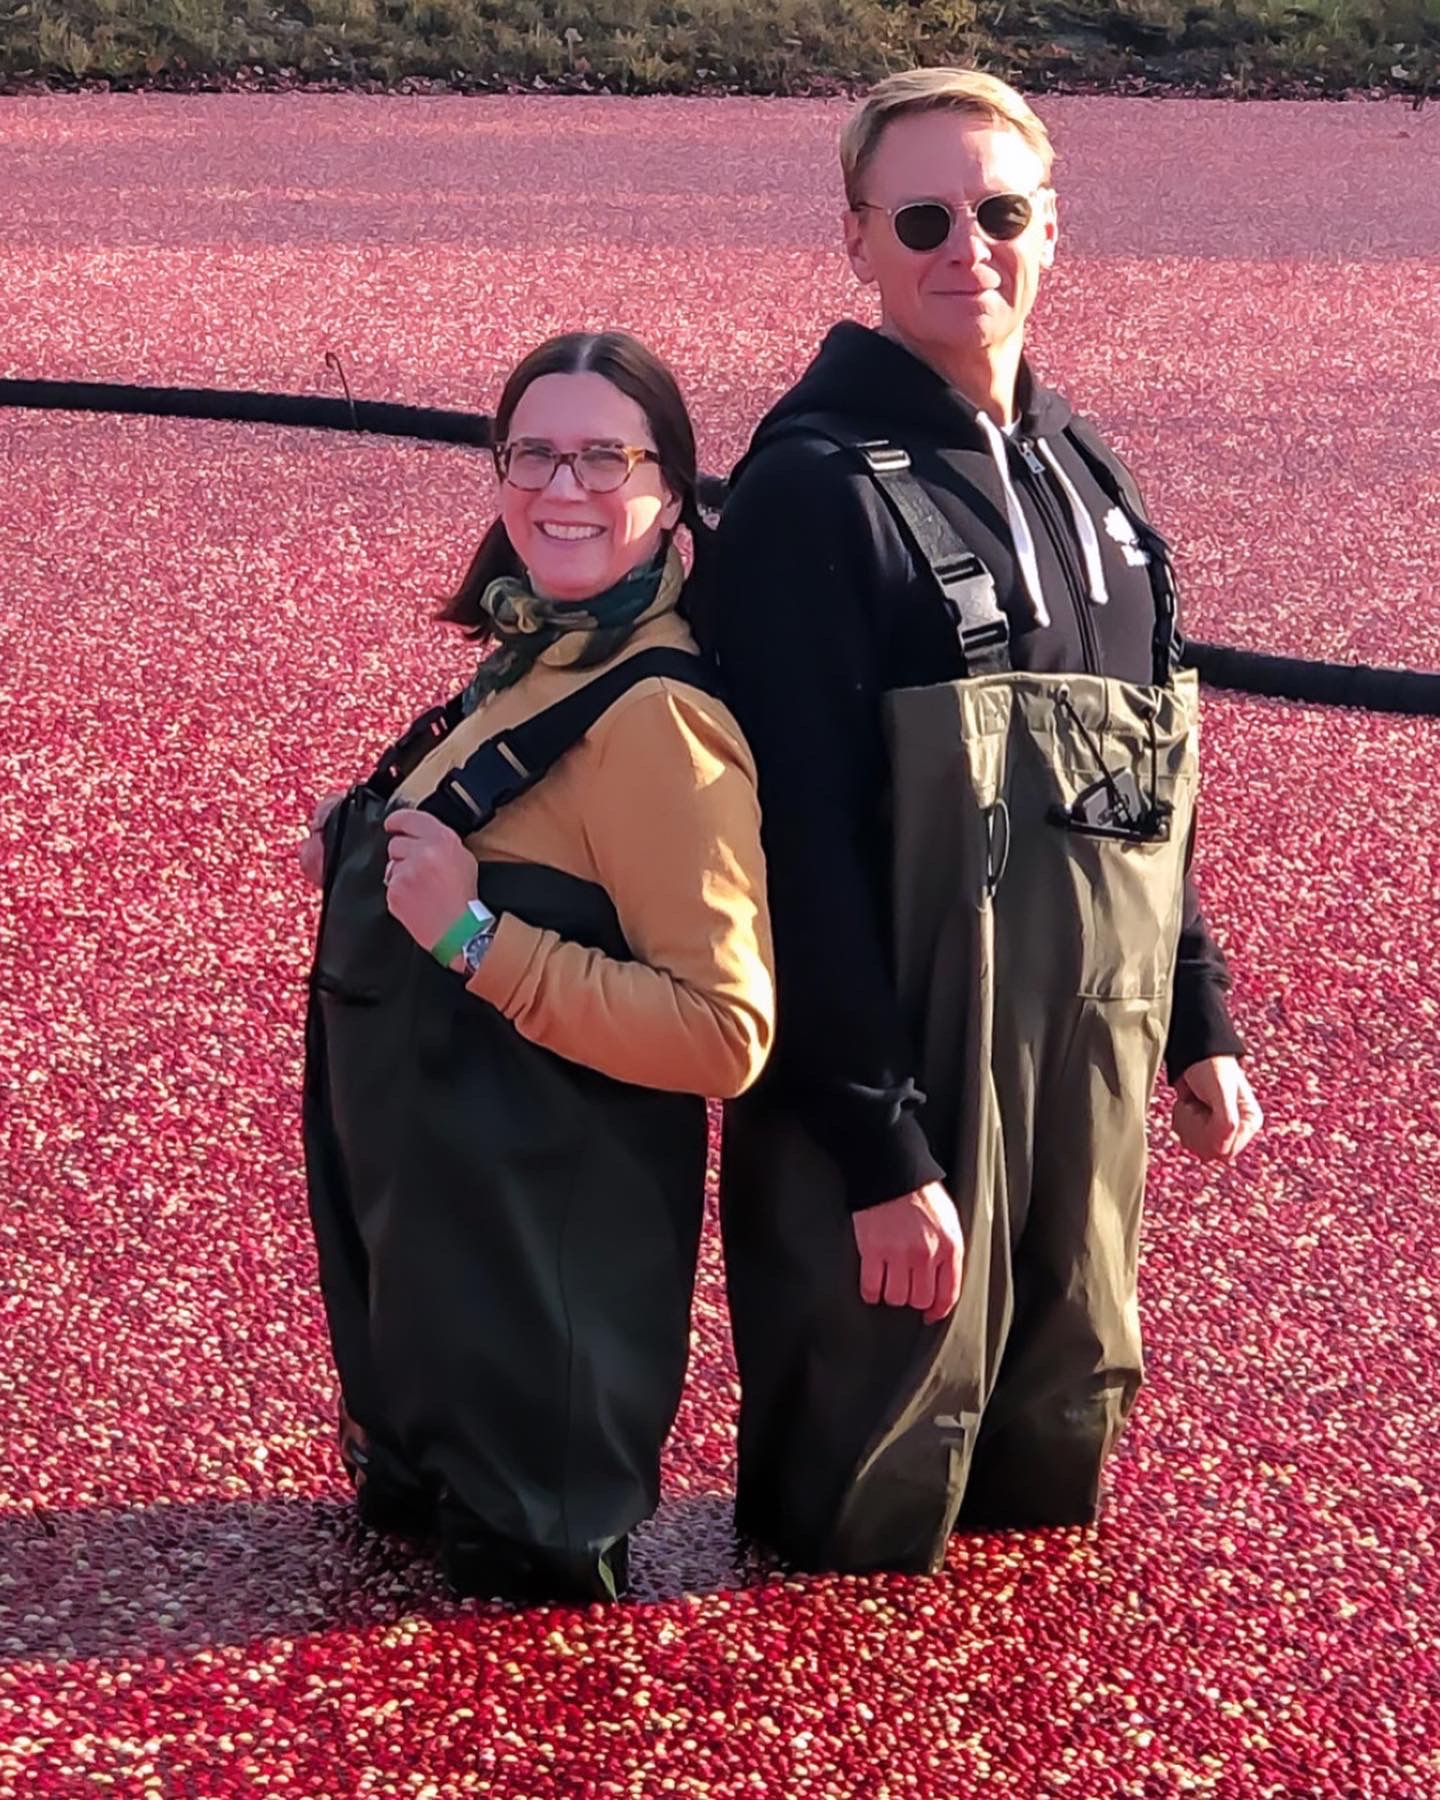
(628, 365)
(935, 90)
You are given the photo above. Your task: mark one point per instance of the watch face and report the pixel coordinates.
(474, 951)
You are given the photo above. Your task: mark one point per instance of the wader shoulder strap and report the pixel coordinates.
(512, 761)
(409, 751)
(1119, 484)
(966, 585)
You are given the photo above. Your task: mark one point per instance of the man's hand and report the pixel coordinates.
(430, 878)
(312, 848)
(1216, 1113)
(912, 1252)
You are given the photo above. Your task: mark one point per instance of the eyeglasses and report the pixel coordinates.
(926, 224)
(599, 468)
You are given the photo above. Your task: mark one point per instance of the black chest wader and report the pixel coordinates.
(507, 1239)
(1039, 835)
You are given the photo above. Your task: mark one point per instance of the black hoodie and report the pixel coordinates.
(823, 611)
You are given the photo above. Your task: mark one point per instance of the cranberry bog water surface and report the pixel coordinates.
(206, 625)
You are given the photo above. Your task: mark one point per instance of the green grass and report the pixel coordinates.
(753, 46)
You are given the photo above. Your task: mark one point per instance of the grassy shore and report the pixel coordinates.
(1244, 47)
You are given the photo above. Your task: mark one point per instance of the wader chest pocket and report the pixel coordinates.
(1126, 899)
(1117, 823)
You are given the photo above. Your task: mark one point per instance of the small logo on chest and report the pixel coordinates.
(1119, 527)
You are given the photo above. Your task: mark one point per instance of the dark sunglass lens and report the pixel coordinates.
(1003, 216)
(924, 226)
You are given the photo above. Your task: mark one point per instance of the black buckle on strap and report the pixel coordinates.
(469, 797)
(966, 583)
(956, 571)
(970, 592)
(417, 743)
(993, 635)
(884, 458)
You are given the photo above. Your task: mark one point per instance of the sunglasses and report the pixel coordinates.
(926, 224)
(599, 468)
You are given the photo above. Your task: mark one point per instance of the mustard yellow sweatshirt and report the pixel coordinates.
(658, 806)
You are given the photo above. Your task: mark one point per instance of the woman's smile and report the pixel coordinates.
(568, 534)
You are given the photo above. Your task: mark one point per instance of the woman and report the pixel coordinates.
(543, 938)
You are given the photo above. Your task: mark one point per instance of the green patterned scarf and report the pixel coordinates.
(526, 625)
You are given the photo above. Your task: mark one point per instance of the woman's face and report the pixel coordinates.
(575, 544)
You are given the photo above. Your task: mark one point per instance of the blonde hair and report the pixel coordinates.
(936, 90)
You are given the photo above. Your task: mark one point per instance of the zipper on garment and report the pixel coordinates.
(1059, 527)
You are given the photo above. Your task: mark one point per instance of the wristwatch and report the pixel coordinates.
(477, 944)
(470, 936)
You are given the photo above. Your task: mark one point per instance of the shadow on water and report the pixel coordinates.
(167, 1580)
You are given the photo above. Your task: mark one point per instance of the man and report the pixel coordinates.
(948, 630)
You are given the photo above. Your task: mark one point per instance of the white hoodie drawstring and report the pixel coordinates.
(1084, 528)
(1015, 518)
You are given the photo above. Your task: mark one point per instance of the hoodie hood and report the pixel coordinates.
(887, 392)
(862, 375)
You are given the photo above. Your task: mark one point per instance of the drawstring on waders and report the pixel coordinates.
(997, 832)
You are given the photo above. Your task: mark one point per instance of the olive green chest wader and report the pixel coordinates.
(1039, 833)
(507, 1239)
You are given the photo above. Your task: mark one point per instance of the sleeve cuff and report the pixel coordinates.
(1200, 1027)
(503, 967)
(882, 1153)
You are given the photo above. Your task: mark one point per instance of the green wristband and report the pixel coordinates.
(475, 918)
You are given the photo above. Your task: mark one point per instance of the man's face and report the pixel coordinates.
(971, 295)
